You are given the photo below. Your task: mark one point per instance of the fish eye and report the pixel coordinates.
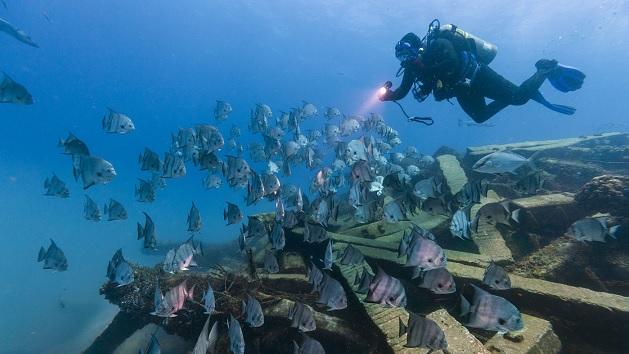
(99, 174)
(440, 285)
(429, 260)
(497, 281)
(501, 321)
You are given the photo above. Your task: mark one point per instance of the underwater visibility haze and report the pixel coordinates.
(134, 125)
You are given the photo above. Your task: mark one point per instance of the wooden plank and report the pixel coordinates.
(453, 172)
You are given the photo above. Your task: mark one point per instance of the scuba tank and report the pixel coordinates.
(484, 51)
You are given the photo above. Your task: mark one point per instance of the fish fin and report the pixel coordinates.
(465, 306)
(140, 231)
(613, 232)
(515, 215)
(417, 273)
(41, 255)
(402, 327)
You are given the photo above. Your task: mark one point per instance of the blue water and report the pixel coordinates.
(165, 63)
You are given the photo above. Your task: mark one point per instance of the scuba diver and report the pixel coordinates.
(451, 63)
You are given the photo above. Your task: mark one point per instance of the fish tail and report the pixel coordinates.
(41, 255)
(613, 232)
(515, 215)
(402, 327)
(465, 306)
(140, 231)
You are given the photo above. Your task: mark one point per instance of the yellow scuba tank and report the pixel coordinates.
(484, 51)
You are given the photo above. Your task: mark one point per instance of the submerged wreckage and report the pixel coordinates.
(573, 296)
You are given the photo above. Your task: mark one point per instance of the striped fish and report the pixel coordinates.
(422, 332)
(332, 294)
(386, 290)
(490, 312)
(423, 252)
(301, 317)
(460, 226)
(351, 256)
(496, 277)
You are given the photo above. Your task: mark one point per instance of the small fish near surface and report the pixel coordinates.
(302, 317)
(114, 210)
(236, 338)
(501, 162)
(207, 160)
(55, 187)
(253, 312)
(592, 229)
(332, 112)
(232, 214)
(53, 257)
(255, 189)
(147, 232)
(144, 191)
(92, 170)
(149, 161)
(490, 312)
(236, 170)
(496, 277)
(212, 182)
(194, 219)
(16, 33)
(209, 138)
(422, 333)
(119, 271)
(222, 110)
(460, 225)
(386, 290)
(13, 92)
(90, 210)
(332, 294)
(117, 123)
(174, 165)
(73, 146)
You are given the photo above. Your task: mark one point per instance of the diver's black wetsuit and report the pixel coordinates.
(441, 62)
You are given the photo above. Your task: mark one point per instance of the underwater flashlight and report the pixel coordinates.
(385, 88)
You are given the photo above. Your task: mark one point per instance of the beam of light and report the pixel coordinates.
(370, 102)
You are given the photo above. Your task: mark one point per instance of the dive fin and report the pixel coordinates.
(566, 78)
(539, 98)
